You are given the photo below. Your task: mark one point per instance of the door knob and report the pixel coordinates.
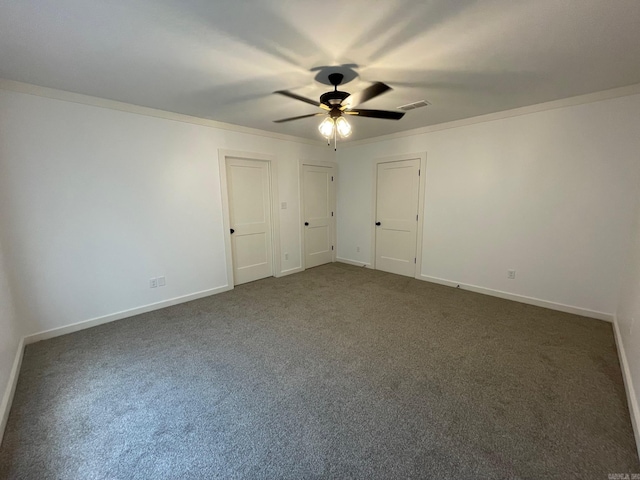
(378, 224)
(232, 230)
(306, 224)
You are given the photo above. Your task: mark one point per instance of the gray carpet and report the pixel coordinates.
(336, 372)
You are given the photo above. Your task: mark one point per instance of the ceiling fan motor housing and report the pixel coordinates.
(332, 99)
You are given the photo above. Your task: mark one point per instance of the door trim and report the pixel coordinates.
(421, 189)
(275, 213)
(311, 163)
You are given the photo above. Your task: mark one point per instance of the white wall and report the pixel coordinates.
(10, 335)
(548, 194)
(96, 201)
(628, 322)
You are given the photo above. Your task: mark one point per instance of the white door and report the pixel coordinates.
(397, 216)
(318, 212)
(250, 219)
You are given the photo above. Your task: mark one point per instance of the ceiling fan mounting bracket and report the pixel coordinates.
(336, 79)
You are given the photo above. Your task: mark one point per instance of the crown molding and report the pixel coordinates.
(490, 117)
(66, 96)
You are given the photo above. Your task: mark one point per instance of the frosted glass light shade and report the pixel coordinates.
(344, 129)
(326, 127)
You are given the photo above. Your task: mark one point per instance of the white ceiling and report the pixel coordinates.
(222, 59)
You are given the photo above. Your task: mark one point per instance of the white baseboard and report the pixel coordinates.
(632, 400)
(74, 327)
(284, 273)
(7, 398)
(353, 262)
(607, 317)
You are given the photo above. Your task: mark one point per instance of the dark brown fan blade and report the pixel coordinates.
(298, 118)
(386, 114)
(289, 94)
(368, 93)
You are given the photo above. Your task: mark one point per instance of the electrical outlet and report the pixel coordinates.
(357, 249)
(153, 283)
(162, 281)
(511, 274)
(286, 255)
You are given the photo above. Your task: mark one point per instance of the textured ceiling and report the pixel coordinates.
(222, 59)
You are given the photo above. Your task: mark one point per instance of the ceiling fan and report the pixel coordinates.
(337, 105)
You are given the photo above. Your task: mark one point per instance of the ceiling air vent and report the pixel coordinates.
(414, 105)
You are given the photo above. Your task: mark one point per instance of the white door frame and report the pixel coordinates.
(312, 163)
(275, 213)
(423, 176)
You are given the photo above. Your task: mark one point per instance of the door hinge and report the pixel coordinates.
(332, 178)
(416, 218)
(331, 247)
(418, 172)
(332, 214)
(414, 260)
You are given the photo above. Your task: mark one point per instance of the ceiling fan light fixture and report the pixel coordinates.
(326, 127)
(343, 127)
